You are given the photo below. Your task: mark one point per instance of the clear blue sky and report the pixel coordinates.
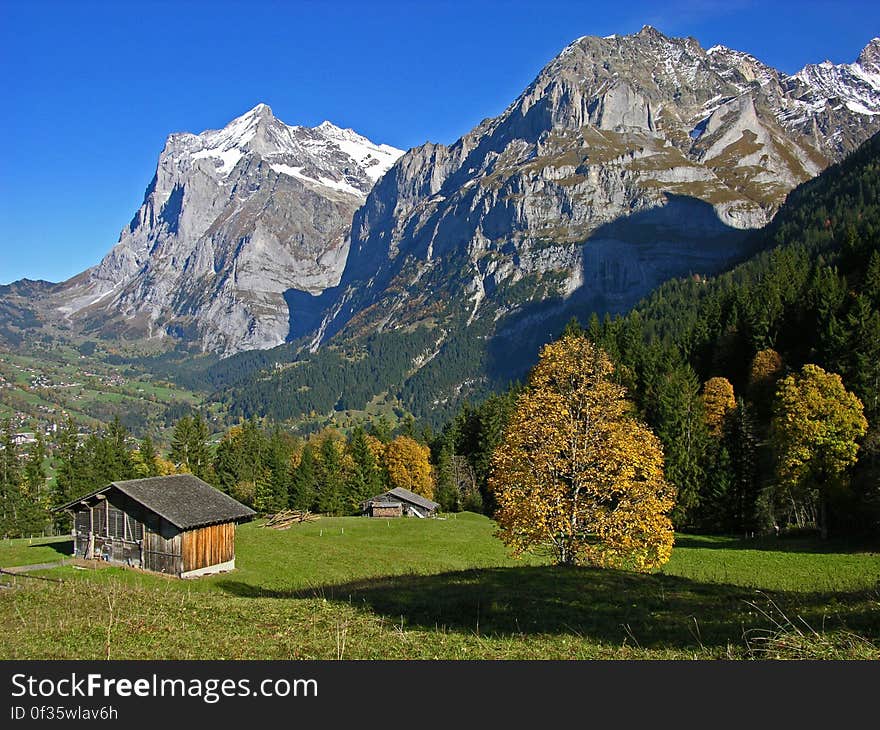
(91, 89)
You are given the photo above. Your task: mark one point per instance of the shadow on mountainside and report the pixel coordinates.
(622, 262)
(306, 311)
(604, 605)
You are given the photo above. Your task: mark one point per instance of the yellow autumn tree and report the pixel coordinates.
(576, 472)
(816, 426)
(377, 448)
(764, 372)
(766, 365)
(718, 401)
(408, 464)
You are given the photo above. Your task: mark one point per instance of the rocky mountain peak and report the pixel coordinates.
(847, 88)
(233, 219)
(261, 114)
(649, 31)
(628, 159)
(260, 110)
(869, 58)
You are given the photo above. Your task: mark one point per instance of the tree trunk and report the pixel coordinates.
(823, 517)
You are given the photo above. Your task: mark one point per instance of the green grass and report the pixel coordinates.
(775, 564)
(419, 589)
(27, 551)
(341, 549)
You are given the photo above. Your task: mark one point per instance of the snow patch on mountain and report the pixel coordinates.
(856, 85)
(375, 159)
(258, 130)
(325, 182)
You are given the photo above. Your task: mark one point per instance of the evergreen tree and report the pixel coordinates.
(181, 440)
(69, 471)
(147, 458)
(303, 484)
(97, 463)
(121, 464)
(226, 464)
(331, 478)
(381, 429)
(871, 285)
(861, 362)
(742, 445)
(573, 328)
(828, 293)
(33, 513)
(718, 497)
(365, 480)
(34, 471)
(264, 499)
(595, 332)
(189, 447)
(198, 452)
(447, 494)
(253, 447)
(408, 428)
(10, 484)
(10, 472)
(278, 458)
(681, 426)
(492, 419)
(22, 509)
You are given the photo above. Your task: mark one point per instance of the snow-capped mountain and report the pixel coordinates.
(628, 160)
(232, 220)
(327, 147)
(853, 85)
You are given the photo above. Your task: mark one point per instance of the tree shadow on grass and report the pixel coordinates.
(604, 605)
(784, 544)
(65, 547)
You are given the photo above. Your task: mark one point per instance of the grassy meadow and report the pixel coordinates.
(354, 588)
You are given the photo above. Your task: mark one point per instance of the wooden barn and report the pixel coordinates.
(177, 525)
(399, 502)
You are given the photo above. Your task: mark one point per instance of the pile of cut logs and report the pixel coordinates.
(284, 519)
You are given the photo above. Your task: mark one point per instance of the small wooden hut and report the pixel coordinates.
(399, 502)
(177, 525)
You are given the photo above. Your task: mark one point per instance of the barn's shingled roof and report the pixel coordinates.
(182, 499)
(412, 497)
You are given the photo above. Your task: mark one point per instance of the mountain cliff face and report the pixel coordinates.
(232, 220)
(627, 161)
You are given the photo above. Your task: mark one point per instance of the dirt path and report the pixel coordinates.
(36, 566)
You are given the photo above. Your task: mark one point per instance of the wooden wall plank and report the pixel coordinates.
(210, 545)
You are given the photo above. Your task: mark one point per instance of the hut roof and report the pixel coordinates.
(412, 497)
(182, 499)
